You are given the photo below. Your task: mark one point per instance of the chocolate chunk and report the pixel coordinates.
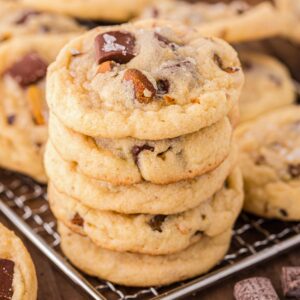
(25, 16)
(11, 119)
(255, 288)
(154, 12)
(260, 159)
(116, 46)
(165, 41)
(283, 212)
(77, 220)
(6, 279)
(218, 61)
(247, 65)
(28, 70)
(156, 222)
(290, 280)
(143, 88)
(294, 170)
(163, 86)
(136, 150)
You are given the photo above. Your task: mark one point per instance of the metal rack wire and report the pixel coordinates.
(24, 202)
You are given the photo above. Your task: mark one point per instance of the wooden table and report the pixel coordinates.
(53, 285)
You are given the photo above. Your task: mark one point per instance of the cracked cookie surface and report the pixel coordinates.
(270, 163)
(129, 161)
(146, 80)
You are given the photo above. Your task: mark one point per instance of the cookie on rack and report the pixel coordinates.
(148, 80)
(236, 21)
(105, 10)
(17, 273)
(22, 21)
(290, 14)
(23, 109)
(152, 234)
(144, 197)
(128, 161)
(268, 85)
(270, 163)
(133, 269)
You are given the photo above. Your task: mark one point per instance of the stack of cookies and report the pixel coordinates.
(140, 159)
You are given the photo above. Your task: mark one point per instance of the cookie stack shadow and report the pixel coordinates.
(144, 212)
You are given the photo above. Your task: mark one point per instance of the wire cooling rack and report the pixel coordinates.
(24, 202)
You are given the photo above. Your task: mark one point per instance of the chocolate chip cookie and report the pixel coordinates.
(236, 21)
(270, 162)
(17, 273)
(268, 85)
(148, 80)
(21, 21)
(144, 197)
(129, 161)
(133, 269)
(23, 110)
(152, 234)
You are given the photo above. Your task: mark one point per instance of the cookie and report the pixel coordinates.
(23, 21)
(268, 85)
(149, 80)
(129, 161)
(152, 234)
(23, 110)
(143, 197)
(133, 269)
(270, 163)
(114, 11)
(17, 273)
(290, 16)
(236, 21)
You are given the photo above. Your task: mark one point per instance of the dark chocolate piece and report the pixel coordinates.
(156, 222)
(77, 220)
(136, 150)
(11, 119)
(283, 212)
(163, 86)
(6, 279)
(294, 170)
(255, 288)
(290, 280)
(28, 70)
(118, 46)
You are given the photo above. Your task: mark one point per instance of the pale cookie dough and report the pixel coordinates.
(144, 197)
(235, 22)
(23, 110)
(147, 80)
(129, 161)
(17, 273)
(270, 162)
(268, 85)
(290, 13)
(133, 269)
(152, 234)
(106, 10)
(23, 21)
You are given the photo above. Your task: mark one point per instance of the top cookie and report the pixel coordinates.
(17, 273)
(235, 22)
(147, 80)
(117, 10)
